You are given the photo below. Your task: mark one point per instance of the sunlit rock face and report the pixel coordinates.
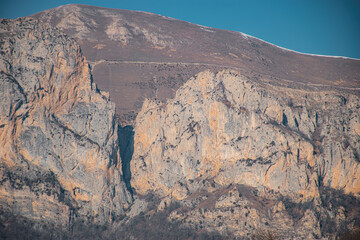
(59, 145)
(248, 159)
(231, 129)
(272, 145)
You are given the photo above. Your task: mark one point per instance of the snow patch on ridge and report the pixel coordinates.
(246, 36)
(207, 29)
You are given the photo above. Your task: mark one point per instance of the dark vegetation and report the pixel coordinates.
(156, 226)
(152, 225)
(262, 234)
(39, 183)
(350, 235)
(333, 200)
(17, 227)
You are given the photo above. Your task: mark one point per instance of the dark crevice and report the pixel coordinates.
(20, 88)
(284, 120)
(79, 137)
(126, 145)
(296, 123)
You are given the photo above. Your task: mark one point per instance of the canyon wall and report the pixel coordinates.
(229, 153)
(59, 146)
(247, 159)
(231, 129)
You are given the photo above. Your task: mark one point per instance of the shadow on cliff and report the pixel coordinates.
(126, 144)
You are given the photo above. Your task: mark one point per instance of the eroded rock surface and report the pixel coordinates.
(59, 145)
(230, 129)
(232, 155)
(223, 129)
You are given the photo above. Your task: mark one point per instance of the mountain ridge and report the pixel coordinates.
(125, 35)
(209, 152)
(171, 18)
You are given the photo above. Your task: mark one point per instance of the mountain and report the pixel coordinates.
(59, 143)
(230, 149)
(209, 134)
(138, 55)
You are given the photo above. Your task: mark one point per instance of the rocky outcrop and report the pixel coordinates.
(234, 154)
(59, 150)
(230, 129)
(224, 129)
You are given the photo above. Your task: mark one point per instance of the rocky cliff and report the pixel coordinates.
(224, 131)
(59, 151)
(266, 145)
(230, 129)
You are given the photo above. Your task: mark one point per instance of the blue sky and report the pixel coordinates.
(327, 27)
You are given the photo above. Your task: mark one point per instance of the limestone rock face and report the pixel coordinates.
(234, 153)
(226, 129)
(59, 151)
(247, 159)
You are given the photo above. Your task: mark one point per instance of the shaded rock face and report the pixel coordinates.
(59, 150)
